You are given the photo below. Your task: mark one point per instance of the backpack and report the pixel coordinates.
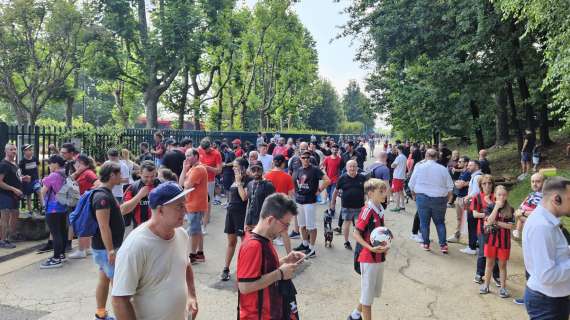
(69, 194)
(82, 218)
(358, 248)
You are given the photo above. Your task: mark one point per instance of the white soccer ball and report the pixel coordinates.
(381, 236)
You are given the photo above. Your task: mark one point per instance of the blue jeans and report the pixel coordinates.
(541, 307)
(432, 208)
(330, 191)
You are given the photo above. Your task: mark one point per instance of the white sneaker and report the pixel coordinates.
(419, 238)
(468, 250)
(278, 242)
(453, 239)
(78, 254)
(516, 234)
(204, 231)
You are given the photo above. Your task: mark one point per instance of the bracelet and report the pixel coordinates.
(282, 275)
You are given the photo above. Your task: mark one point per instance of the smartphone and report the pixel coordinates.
(301, 260)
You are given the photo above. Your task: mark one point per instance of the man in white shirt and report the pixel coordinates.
(113, 156)
(431, 185)
(266, 159)
(547, 254)
(153, 266)
(398, 180)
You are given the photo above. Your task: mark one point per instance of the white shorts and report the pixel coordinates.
(372, 275)
(211, 189)
(307, 216)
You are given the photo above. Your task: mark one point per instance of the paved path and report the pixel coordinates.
(418, 285)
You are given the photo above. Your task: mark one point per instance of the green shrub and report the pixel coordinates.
(355, 127)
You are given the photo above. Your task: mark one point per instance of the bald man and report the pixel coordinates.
(431, 186)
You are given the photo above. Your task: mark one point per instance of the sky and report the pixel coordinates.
(336, 60)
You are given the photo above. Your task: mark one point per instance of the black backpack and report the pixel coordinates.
(358, 248)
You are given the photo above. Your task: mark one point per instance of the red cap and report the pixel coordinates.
(236, 141)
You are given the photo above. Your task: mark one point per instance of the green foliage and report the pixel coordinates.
(325, 110)
(351, 127)
(357, 107)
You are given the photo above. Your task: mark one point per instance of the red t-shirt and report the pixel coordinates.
(332, 168)
(86, 180)
(238, 152)
(142, 211)
(367, 213)
(211, 159)
(281, 181)
(480, 206)
(249, 265)
(282, 150)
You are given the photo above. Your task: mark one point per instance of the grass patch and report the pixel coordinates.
(522, 189)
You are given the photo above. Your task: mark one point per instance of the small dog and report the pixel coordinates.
(328, 228)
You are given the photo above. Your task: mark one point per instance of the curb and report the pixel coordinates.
(20, 253)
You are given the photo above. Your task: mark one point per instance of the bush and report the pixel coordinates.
(348, 127)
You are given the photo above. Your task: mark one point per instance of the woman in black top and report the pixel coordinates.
(235, 217)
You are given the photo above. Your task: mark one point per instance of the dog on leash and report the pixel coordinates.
(328, 228)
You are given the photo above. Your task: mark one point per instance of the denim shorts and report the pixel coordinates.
(102, 260)
(348, 214)
(194, 226)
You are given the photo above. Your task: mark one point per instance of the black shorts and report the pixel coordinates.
(234, 222)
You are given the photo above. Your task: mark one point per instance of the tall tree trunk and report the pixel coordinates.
(232, 109)
(521, 81)
(183, 97)
(475, 113)
(243, 112)
(220, 107)
(501, 118)
(150, 98)
(544, 125)
(196, 113)
(514, 114)
(70, 100)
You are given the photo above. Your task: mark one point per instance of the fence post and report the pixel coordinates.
(3, 138)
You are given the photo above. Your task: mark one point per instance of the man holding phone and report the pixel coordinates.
(260, 272)
(136, 195)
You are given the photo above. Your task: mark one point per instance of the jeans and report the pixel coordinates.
(472, 230)
(541, 307)
(330, 190)
(482, 261)
(416, 225)
(58, 228)
(432, 208)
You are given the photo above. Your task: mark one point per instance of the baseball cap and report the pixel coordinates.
(165, 194)
(236, 141)
(27, 146)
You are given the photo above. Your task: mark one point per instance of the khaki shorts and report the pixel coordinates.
(372, 276)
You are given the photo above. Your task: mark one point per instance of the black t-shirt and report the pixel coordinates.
(235, 203)
(12, 176)
(307, 184)
(270, 148)
(29, 167)
(352, 190)
(257, 191)
(485, 167)
(174, 160)
(145, 156)
(69, 167)
(104, 199)
(361, 156)
(531, 142)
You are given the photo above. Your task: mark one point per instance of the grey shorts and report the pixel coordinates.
(349, 213)
(194, 226)
(211, 190)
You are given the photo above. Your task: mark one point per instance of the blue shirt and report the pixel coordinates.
(464, 176)
(381, 172)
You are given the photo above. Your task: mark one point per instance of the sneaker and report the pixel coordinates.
(51, 263)
(294, 235)
(225, 276)
(78, 254)
(444, 249)
(419, 238)
(200, 256)
(468, 250)
(504, 293)
(425, 247)
(402, 209)
(62, 257)
(395, 210)
(348, 246)
(311, 253)
(450, 205)
(5, 244)
(278, 242)
(301, 247)
(216, 202)
(484, 289)
(350, 317)
(478, 279)
(106, 317)
(29, 215)
(337, 230)
(497, 282)
(453, 239)
(193, 258)
(46, 248)
(519, 301)
(204, 230)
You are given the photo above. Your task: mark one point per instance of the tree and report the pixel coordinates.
(41, 44)
(325, 109)
(357, 106)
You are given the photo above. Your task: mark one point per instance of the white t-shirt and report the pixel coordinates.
(267, 162)
(153, 271)
(400, 170)
(118, 189)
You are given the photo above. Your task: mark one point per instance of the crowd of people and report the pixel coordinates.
(270, 190)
